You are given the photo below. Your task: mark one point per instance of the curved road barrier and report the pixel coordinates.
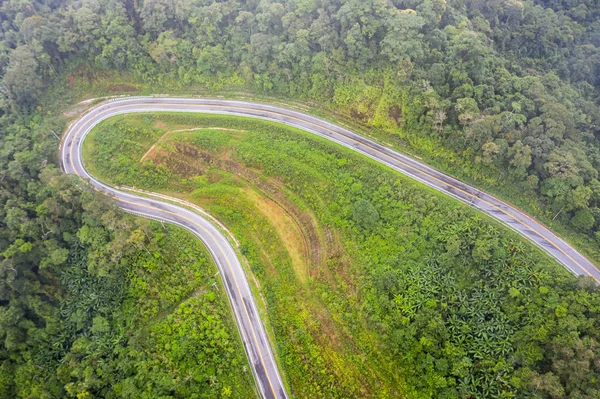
(240, 296)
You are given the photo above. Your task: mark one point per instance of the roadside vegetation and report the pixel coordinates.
(99, 304)
(375, 286)
(162, 326)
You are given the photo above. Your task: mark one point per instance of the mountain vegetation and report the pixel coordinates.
(501, 93)
(385, 288)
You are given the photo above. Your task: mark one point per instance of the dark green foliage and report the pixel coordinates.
(85, 297)
(364, 214)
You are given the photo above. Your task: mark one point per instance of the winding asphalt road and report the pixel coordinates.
(242, 302)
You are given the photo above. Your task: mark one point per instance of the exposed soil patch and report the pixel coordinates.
(182, 166)
(190, 151)
(159, 124)
(75, 110)
(395, 113)
(122, 88)
(355, 114)
(162, 125)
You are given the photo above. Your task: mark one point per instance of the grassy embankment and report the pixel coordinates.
(375, 285)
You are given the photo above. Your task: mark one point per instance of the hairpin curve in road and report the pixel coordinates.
(242, 302)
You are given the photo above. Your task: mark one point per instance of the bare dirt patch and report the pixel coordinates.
(395, 113)
(162, 125)
(121, 88)
(159, 124)
(181, 165)
(76, 110)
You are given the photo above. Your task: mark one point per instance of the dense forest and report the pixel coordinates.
(502, 92)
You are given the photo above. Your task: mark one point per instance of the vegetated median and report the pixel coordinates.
(375, 285)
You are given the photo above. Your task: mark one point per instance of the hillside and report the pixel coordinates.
(375, 286)
(502, 94)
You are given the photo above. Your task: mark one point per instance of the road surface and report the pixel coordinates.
(242, 302)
